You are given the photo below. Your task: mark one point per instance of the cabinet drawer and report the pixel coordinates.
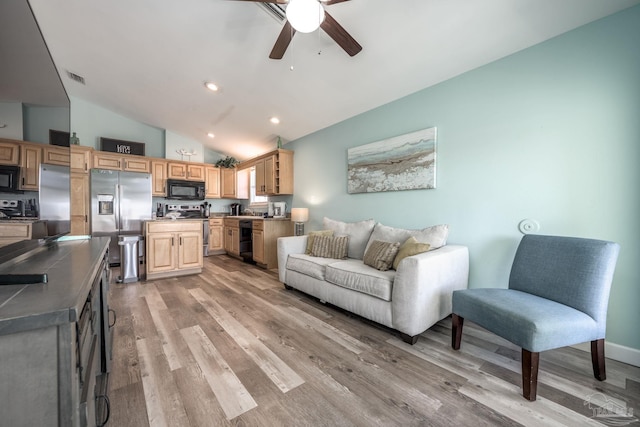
(258, 225)
(232, 223)
(173, 226)
(216, 221)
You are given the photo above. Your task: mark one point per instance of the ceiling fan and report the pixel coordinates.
(306, 16)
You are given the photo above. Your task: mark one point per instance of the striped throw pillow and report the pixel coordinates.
(380, 255)
(330, 246)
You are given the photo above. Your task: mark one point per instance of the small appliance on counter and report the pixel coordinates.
(205, 209)
(160, 210)
(18, 209)
(277, 209)
(235, 209)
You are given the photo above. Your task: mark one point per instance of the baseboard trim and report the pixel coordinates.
(617, 352)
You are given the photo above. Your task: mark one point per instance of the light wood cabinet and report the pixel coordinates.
(9, 152)
(187, 171)
(274, 172)
(11, 232)
(216, 235)
(159, 178)
(212, 182)
(265, 235)
(232, 236)
(80, 204)
(54, 155)
(234, 183)
(103, 160)
(174, 248)
(30, 159)
(80, 159)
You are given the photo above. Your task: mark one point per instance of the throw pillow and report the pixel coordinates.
(435, 236)
(330, 247)
(380, 255)
(409, 248)
(311, 237)
(358, 232)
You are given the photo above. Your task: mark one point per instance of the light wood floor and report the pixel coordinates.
(231, 346)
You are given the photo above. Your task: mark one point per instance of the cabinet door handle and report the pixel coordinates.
(108, 406)
(180, 240)
(172, 242)
(112, 324)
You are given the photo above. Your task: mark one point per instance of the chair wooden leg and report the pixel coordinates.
(597, 359)
(456, 331)
(530, 362)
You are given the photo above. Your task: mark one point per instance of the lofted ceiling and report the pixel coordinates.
(149, 59)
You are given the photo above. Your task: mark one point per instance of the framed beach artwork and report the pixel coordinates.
(405, 162)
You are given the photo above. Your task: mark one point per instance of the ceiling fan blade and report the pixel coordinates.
(283, 41)
(340, 35)
(330, 2)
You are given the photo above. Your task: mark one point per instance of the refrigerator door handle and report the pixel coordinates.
(119, 219)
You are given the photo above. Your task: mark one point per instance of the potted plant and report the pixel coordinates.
(228, 162)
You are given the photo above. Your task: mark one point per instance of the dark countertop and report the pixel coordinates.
(70, 266)
(255, 218)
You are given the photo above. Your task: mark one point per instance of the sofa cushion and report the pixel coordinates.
(308, 265)
(311, 237)
(380, 255)
(353, 274)
(409, 248)
(358, 232)
(330, 247)
(435, 236)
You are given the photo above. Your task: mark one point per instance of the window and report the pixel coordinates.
(253, 199)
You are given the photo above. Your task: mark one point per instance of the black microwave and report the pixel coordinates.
(185, 190)
(9, 179)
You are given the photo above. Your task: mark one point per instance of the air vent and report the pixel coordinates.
(75, 77)
(274, 10)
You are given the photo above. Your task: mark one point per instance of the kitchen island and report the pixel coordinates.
(173, 247)
(54, 336)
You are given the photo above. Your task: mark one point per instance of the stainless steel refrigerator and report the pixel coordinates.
(120, 202)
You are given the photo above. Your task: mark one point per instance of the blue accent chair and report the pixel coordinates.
(558, 295)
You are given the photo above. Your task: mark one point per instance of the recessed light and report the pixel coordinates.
(211, 135)
(211, 86)
(274, 120)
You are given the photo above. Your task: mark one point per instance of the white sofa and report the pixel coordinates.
(410, 299)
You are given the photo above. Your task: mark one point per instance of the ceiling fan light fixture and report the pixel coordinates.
(305, 15)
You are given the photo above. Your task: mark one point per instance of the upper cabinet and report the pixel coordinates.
(212, 182)
(187, 171)
(9, 152)
(159, 177)
(30, 159)
(80, 159)
(234, 183)
(104, 160)
(274, 173)
(54, 155)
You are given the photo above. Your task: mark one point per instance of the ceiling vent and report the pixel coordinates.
(274, 10)
(75, 77)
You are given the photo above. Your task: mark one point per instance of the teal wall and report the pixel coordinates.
(550, 133)
(91, 122)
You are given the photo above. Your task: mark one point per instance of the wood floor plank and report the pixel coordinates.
(229, 391)
(281, 375)
(164, 405)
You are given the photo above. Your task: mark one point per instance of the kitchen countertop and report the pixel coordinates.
(253, 218)
(20, 220)
(70, 265)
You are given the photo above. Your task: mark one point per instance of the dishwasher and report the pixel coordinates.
(246, 244)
